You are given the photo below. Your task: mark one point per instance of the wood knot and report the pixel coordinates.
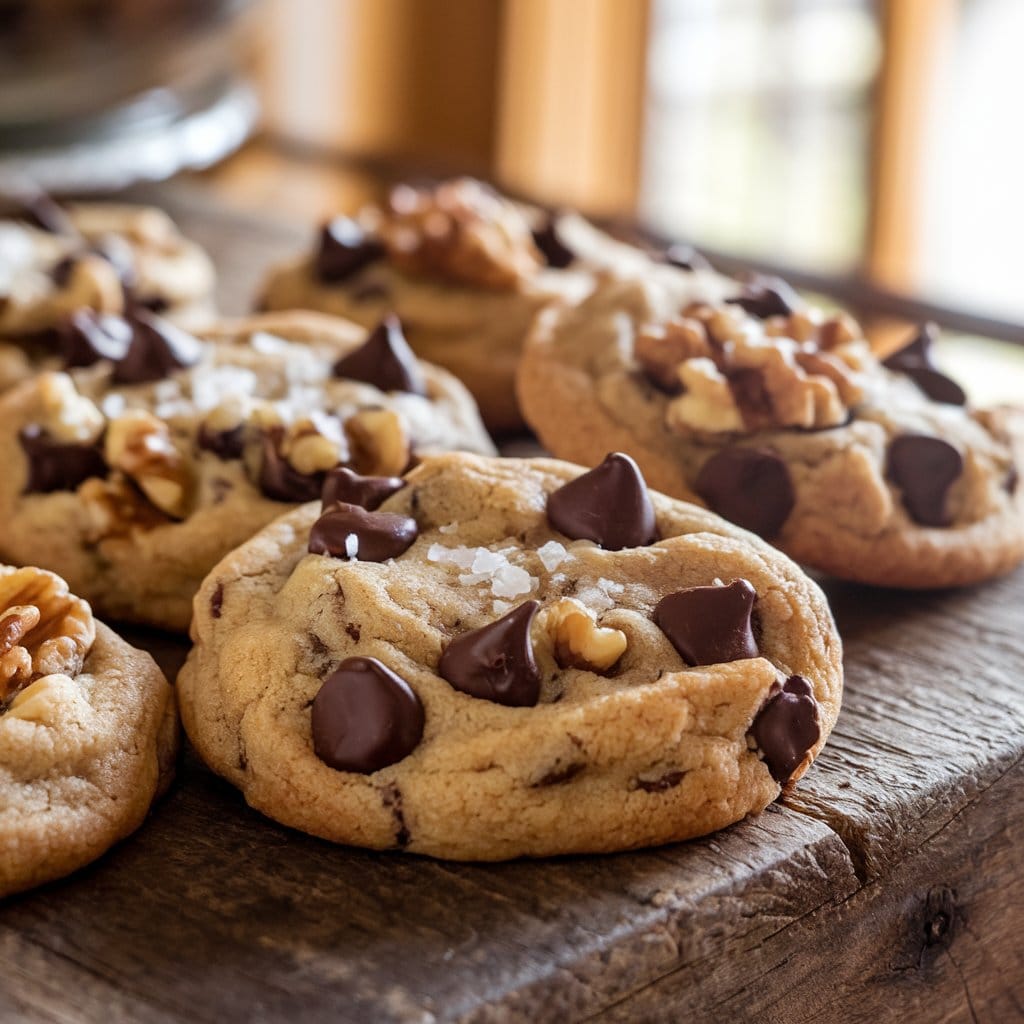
(942, 918)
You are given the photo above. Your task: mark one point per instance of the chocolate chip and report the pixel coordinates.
(915, 361)
(353, 630)
(685, 257)
(924, 468)
(157, 349)
(217, 601)
(86, 337)
(348, 531)
(365, 717)
(1012, 480)
(496, 662)
(709, 625)
(342, 484)
(555, 252)
(384, 360)
(229, 444)
(557, 776)
(667, 781)
(54, 466)
(749, 486)
(609, 505)
(764, 296)
(392, 798)
(344, 249)
(279, 480)
(786, 727)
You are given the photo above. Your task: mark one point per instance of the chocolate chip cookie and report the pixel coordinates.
(466, 270)
(154, 452)
(493, 658)
(780, 418)
(88, 732)
(108, 257)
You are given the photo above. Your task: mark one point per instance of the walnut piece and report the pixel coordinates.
(579, 642)
(43, 629)
(460, 230)
(113, 508)
(379, 442)
(93, 283)
(140, 446)
(734, 373)
(65, 415)
(313, 444)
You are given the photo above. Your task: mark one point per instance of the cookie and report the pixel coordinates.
(108, 257)
(509, 658)
(466, 270)
(781, 419)
(88, 732)
(154, 453)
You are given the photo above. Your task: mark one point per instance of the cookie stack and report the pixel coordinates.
(400, 640)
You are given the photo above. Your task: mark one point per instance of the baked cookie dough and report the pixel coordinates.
(154, 453)
(88, 732)
(781, 419)
(500, 657)
(108, 257)
(467, 271)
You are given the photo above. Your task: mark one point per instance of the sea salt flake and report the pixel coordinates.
(511, 581)
(448, 528)
(501, 607)
(488, 561)
(552, 554)
(351, 545)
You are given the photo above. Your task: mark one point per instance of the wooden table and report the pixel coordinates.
(889, 887)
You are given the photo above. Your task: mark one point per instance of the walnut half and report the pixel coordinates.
(579, 642)
(44, 629)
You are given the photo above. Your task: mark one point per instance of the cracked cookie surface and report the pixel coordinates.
(88, 732)
(103, 256)
(465, 671)
(154, 453)
(781, 419)
(466, 270)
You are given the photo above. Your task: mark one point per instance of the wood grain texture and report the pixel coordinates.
(888, 887)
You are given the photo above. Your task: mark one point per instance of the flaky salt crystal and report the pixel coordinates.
(551, 554)
(351, 545)
(511, 581)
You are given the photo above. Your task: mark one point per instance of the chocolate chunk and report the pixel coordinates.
(764, 296)
(384, 360)
(786, 727)
(392, 800)
(924, 468)
(55, 466)
(1011, 481)
(609, 505)
(663, 782)
(157, 349)
(230, 444)
(915, 361)
(685, 257)
(496, 662)
(749, 486)
(709, 625)
(555, 252)
(344, 249)
(87, 337)
(342, 484)
(279, 480)
(348, 531)
(365, 717)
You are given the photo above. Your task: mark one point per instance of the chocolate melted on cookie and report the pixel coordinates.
(750, 486)
(609, 505)
(348, 531)
(786, 728)
(365, 717)
(55, 466)
(384, 360)
(924, 468)
(496, 662)
(344, 249)
(555, 252)
(348, 487)
(915, 361)
(709, 625)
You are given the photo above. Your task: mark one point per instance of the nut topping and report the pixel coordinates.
(140, 446)
(579, 642)
(66, 416)
(379, 442)
(460, 230)
(43, 629)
